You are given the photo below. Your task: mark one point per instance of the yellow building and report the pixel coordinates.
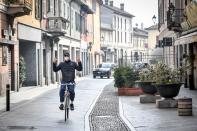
(22, 37)
(93, 26)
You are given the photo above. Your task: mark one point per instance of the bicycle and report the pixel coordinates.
(66, 100)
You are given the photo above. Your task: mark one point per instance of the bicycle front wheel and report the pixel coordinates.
(66, 107)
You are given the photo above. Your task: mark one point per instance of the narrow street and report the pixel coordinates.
(43, 114)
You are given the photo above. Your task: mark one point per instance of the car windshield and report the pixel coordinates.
(106, 66)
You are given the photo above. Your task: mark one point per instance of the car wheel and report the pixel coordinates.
(108, 76)
(94, 77)
(101, 77)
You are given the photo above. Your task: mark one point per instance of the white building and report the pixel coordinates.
(140, 50)
(116, 33)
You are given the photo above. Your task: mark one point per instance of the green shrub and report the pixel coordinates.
(124, 77)
(22, 70)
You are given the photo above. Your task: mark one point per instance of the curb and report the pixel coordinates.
(121, 112)
(87, 122)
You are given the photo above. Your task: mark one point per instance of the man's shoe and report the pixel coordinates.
(72, 107)
(61, 106)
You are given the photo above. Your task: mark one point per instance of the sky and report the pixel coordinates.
(143, 10)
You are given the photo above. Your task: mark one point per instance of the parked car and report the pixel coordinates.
(139, 66)
(103, 70)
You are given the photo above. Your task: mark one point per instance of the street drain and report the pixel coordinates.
(21, 127)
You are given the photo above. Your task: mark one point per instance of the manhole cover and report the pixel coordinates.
(21, 127)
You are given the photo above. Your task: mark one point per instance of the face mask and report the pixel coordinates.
(66, 58)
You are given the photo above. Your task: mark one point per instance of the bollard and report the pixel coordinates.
(7, 97)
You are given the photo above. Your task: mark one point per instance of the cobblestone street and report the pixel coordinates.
(105, 115)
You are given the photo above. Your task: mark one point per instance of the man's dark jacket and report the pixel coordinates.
(68, 70)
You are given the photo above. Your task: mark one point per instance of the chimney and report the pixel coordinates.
(122, 6)
(111, 3)
(106, 2)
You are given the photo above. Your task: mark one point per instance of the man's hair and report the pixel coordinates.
(67, 54)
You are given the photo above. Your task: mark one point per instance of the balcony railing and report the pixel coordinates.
(174, 19)
(57, 25)
(22, 7)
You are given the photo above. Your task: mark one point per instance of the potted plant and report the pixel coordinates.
(125, 78)
(167, 80)
(146, 80)
(22, 71)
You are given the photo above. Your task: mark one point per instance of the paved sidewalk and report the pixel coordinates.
(28, 93)
(146, 117)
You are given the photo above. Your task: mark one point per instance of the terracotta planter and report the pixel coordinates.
(121, 91)
(168, 90)
(148, 88)
(130, 91)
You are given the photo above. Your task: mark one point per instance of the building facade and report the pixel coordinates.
(140, 50)
(155, 54)
(41, 30)
(177, 24)
(15, 17)
(116, 33)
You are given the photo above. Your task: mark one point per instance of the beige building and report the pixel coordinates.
(154, 52)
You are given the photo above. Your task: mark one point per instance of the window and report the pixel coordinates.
(37, 9)
(115, 36)
(125, 24)
(68, 11)
(48, 6)
(121, 22)
(83, 25)
(94, 5)
(115, 21)
(64, 10)
(72, 20)
(118, 23)
(77, 21)
(121, 37)
(118, 37)
(54, 7)
(125, 37)
(130, 23)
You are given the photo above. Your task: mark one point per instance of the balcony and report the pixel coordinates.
(57, 25)
(174, 19)
(19, 7)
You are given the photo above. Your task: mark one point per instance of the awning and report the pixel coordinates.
(187, 39)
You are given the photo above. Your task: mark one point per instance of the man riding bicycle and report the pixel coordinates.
(67, 68)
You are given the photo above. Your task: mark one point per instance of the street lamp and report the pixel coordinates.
(154, 19)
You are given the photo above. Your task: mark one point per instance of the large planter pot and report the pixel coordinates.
(168, 90)
(148, 87)
(129, 91)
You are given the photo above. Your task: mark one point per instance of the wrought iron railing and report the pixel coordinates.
(174, 18)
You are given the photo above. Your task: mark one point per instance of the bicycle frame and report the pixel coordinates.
(67, 100)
